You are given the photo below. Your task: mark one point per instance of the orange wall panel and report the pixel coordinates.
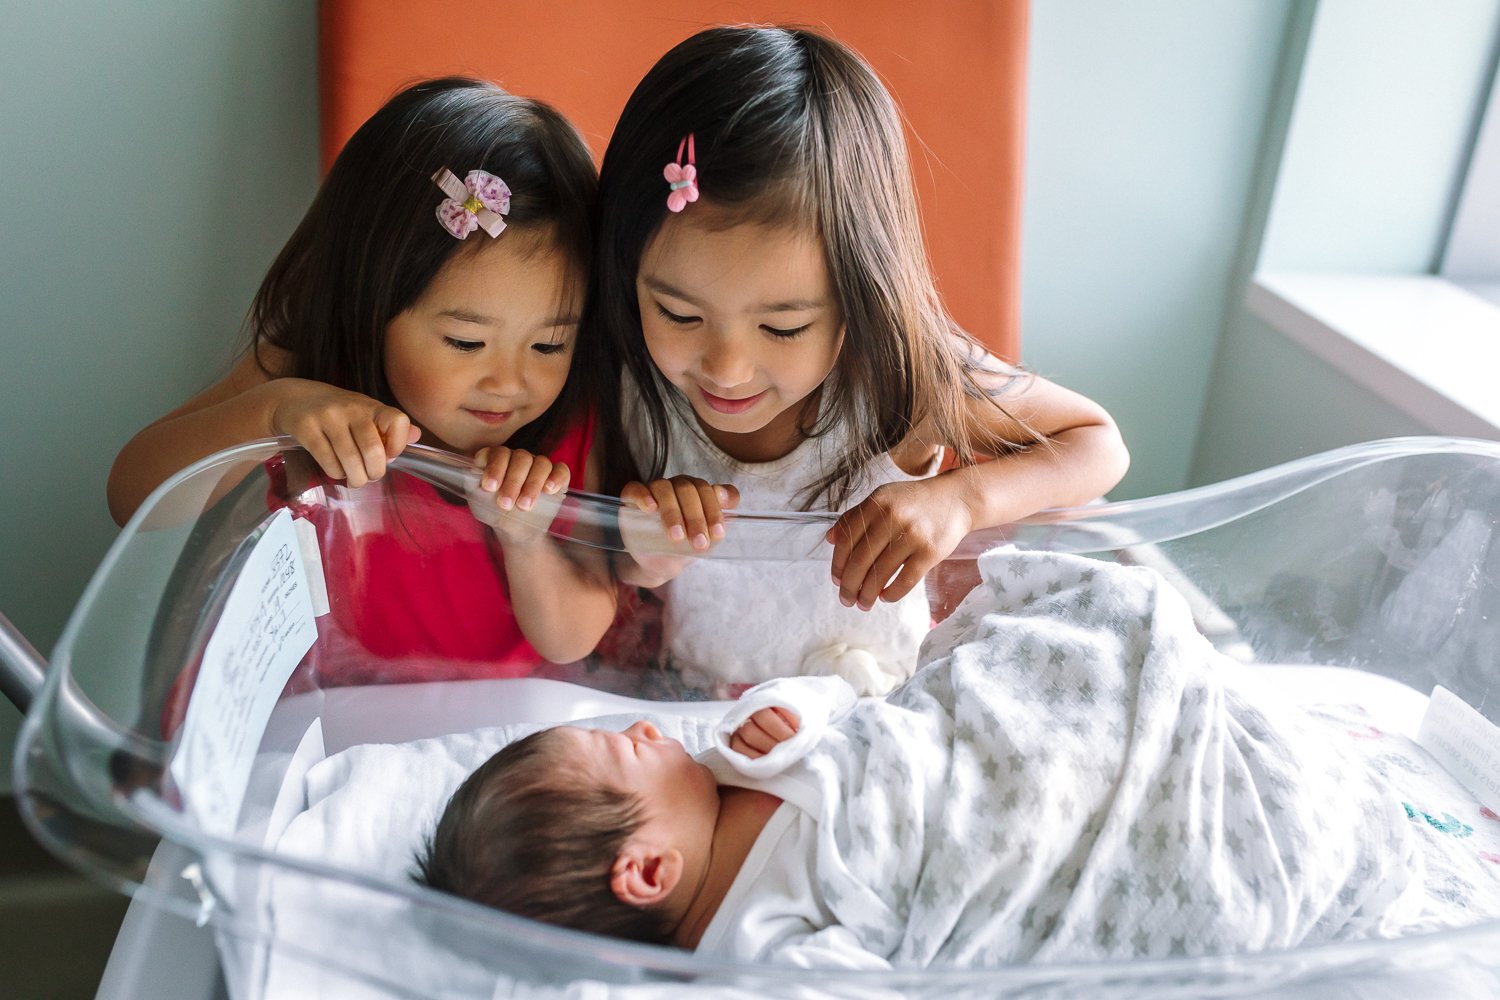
(956, 67)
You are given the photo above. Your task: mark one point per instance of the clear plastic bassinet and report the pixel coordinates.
(1381, 557)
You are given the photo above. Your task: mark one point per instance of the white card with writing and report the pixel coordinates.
(266, 628)
(1464, 742)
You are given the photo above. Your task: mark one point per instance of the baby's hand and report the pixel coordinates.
(764, 730)
(351, 436)
(690, 508)
(515, 481)
(901, 530)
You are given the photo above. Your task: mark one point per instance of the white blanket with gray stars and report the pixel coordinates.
(1067, 776)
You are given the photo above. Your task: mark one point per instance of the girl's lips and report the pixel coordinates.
(489, 416)
(730, 406)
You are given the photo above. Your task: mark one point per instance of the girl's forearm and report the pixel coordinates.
(649, 571)
(563, 603)
(178, 440)
(1069, 468)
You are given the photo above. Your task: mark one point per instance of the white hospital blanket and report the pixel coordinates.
(1067, 776)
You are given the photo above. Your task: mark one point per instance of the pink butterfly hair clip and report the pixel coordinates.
(683, 178)
(479, 201)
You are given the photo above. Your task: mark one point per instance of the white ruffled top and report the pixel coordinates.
(743, 621)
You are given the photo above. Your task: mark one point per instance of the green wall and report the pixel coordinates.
(1145, 121)
(1387, 101)
(1366, 142)
(1272, 402)
(154, 157)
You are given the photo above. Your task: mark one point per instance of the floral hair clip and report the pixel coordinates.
(683, 177)
(478, 201)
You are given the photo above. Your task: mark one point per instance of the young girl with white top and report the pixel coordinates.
(761, 275)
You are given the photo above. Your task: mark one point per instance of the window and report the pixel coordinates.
(1471, 257)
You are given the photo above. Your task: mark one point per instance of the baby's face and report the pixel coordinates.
(677, 793)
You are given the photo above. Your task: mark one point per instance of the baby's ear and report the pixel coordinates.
(644, 876)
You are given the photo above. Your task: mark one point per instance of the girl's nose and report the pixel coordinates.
(727, 364)
(502, 379)
(644, 730)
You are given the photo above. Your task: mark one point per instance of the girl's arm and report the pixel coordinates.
(562, 594)
(1070, 453)
(351, 436)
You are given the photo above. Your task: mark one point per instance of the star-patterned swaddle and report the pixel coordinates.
(1067, 776)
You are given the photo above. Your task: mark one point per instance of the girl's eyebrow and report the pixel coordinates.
(480, 319)
(790, 305)
(657, 285)
(469, 316)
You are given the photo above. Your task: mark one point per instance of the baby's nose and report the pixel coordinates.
(645, 730)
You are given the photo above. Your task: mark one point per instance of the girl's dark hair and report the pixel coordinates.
(527, 834)
(791, 127)
(370, 243)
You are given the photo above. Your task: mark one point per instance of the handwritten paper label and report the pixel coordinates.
(1464, 742)
(266, 628)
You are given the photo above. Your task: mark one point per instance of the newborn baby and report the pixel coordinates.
(1066, 777)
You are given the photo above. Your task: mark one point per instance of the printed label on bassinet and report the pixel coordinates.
(1464, 742)
(266, 628)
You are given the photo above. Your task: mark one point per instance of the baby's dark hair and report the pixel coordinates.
(529, 834)
(371, 243)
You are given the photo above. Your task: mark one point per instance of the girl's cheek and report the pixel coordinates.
(666, 359)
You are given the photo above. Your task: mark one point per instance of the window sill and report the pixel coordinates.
(1423, 344)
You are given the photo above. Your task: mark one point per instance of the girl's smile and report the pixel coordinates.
(491, 417)
(725, 405)
(742, 319)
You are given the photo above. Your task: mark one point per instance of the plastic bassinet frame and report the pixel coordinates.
(1380, 557)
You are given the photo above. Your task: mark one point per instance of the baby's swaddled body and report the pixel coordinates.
(1066, 776)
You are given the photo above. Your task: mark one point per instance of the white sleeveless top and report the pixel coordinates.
(738, 622)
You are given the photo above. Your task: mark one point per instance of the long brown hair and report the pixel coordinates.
(370, 244)
(794, 128)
